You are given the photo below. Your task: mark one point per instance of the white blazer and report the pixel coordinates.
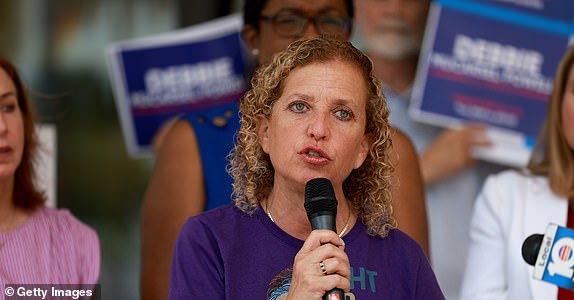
(510, 207)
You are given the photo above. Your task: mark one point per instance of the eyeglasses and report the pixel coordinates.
(289, 24)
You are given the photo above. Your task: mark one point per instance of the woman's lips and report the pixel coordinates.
(5, 149)
(314, 155)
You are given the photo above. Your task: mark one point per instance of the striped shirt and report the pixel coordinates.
(52, 247)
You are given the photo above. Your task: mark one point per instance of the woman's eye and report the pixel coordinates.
(344, 114)
(298, 107)
(8, 108)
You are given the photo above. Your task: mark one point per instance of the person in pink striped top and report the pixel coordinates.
(38, 245)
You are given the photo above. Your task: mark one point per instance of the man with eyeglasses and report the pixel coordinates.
(293, 24)
(272, 25)
(186, 180)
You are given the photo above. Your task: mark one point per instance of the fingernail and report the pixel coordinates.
(342, 242)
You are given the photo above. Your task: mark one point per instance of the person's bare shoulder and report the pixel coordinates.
(402, 143)
(408, 192)
(177, 137)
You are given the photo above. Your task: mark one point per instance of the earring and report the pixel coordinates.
(254, 51)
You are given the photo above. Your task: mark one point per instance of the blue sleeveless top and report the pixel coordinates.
(215, 128)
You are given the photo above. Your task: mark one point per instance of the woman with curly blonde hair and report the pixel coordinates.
(367, 188)
(315, 111)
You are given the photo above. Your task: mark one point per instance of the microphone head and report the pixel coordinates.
(320, 197)
(531, 247)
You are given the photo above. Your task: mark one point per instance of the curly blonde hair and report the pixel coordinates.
(368, 187)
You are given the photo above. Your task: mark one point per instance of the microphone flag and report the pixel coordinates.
(555, 260)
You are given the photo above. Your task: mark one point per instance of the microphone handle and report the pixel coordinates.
(324, 221)
(328, 221)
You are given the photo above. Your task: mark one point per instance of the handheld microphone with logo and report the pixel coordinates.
(321, 207)
(552, 255)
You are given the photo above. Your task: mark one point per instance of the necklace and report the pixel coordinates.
(268, 212)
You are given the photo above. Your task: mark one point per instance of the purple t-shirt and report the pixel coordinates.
(226, 254)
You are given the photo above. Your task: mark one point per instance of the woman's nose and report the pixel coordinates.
(311, 31)
(319, 127)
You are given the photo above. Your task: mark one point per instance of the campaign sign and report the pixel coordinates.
(480, 69)
(555, 262)
(160, 77)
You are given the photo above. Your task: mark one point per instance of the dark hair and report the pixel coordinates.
(252, 11)
(25, 194)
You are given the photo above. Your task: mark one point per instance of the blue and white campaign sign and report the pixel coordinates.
(159, 77)
(491, 64)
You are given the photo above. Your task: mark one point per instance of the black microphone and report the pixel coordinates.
(531, 247)
(321, 207)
